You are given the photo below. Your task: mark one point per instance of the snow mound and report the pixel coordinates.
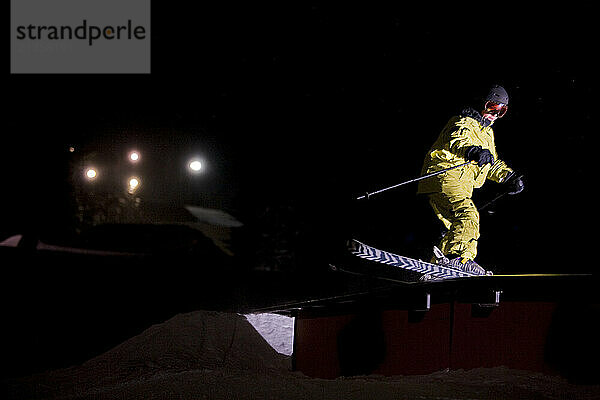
(198, 341)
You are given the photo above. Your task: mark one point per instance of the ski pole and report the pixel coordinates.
(489, 203)
(420, 178)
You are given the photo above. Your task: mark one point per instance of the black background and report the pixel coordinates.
(306, 106)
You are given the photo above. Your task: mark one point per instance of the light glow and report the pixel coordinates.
(195, 165)
(91, 174)
(133, 184)
(134, 156)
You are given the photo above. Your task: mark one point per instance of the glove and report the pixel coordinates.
(482, 156)
(515, 183)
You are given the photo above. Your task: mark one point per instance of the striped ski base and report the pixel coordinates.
(371, 253)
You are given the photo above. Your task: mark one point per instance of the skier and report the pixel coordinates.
(466, 137)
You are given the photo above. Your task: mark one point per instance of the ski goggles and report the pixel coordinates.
(497, 109)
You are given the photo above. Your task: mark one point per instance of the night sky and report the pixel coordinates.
(304, 107)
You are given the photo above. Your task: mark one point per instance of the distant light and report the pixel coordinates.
(91, 174)
(134, 156)
(195, 165)
(134, 184)
(71, 149)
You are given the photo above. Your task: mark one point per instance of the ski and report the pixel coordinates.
(367, 252)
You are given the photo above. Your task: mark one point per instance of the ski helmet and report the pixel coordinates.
(497, 94)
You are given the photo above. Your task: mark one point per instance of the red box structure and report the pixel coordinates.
(548, 327)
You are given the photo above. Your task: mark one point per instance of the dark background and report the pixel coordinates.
(296, 110)
(300, 108)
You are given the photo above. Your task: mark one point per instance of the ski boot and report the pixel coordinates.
(460, 263)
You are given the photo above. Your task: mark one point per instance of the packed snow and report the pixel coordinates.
(276, 329)
(215, 355)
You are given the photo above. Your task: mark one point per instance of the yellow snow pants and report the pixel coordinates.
(460, 216)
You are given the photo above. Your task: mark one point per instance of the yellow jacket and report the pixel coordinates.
(448, 150)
